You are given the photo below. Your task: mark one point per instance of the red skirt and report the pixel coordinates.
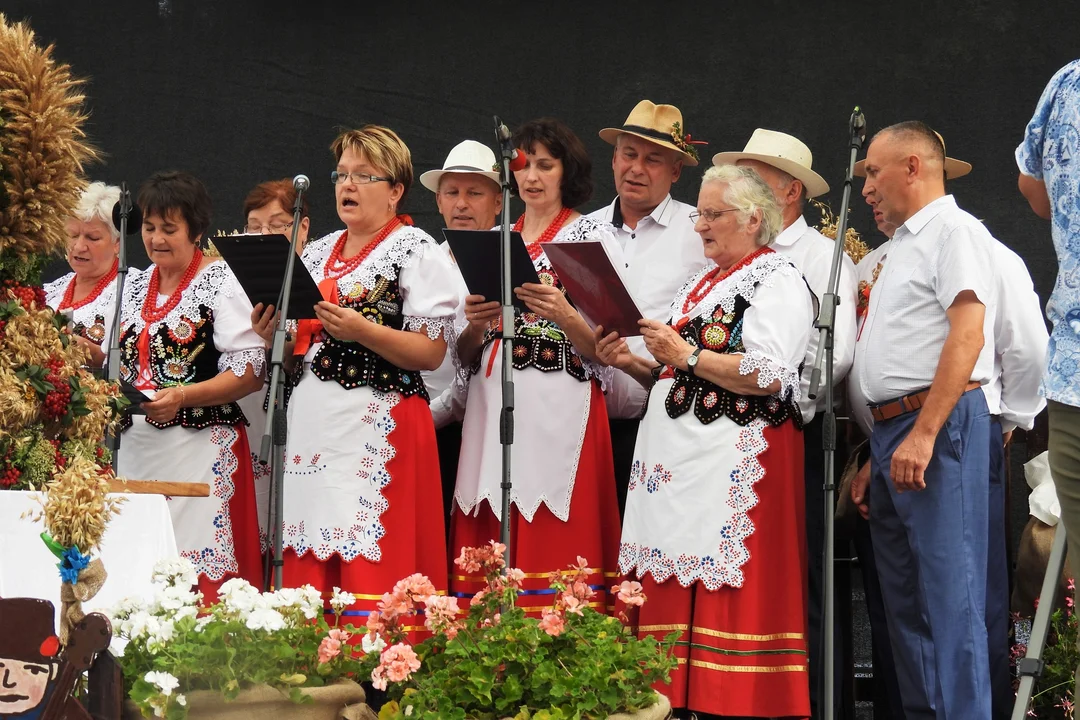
(547, 543)
(743, 651)
(415, 539)
(245, 524)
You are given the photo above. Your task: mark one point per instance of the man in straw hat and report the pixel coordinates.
(1019, 340)
(469, 197)
(657, 246)
(923, 356)
(786, 165)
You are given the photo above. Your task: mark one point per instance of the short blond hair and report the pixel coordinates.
(381, 147)
(748, 194)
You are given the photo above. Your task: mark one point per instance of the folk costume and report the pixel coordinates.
(199, 331)
(563, 496)
(714, 526)
(362, 493)
(91, 317)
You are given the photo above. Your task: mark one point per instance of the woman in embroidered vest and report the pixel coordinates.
(363, 499)
(714, 525)
(564, 502)
(185, 334)
(268, 210)
(88, 293)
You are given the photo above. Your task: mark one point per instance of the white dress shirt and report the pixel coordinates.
(657, 257)
(446, 388)
(864, 275)
(812, 254)
(938, 253)
(1020, 341)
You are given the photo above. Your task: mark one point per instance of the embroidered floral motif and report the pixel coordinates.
(92, 320)
(724, 565)
(361, 538)
(220, 558)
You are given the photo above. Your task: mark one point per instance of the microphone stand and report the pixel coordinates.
(506, 416)
(276, 430)
(826, 325)
(112, 362)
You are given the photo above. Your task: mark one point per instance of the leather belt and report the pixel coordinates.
(908, 403)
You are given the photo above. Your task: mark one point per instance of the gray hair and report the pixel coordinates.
(748, 194)
(97, 203)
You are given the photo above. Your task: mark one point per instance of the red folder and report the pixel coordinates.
(594, 284)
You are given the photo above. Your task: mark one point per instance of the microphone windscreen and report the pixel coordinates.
(134, 218)
(518, 161)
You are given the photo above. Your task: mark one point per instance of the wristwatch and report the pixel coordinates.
(691, 362)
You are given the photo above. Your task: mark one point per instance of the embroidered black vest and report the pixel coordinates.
(95, 333)
(184, 354)
(538, 343)
(721, 332)
(351, 364)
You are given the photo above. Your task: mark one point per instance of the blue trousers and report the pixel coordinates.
(931, 553)
(997, 581)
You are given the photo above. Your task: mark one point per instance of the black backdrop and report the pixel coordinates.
(240, 91)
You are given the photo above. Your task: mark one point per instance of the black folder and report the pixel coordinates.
(478, 258)
(134, 396)
(258, 262)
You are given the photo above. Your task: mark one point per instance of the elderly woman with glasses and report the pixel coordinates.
(88, 292)
(363, 497)
(714, 525)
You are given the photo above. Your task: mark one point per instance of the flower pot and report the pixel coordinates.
(660, 711)
(340, 701)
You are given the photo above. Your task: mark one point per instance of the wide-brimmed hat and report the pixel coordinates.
(659, 124)
(468, 156)
(953, 168)
(26, 630)
(782, 151)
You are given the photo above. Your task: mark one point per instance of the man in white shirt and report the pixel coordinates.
(785, 163)
(657, 250)
(1019, 341)
(923, 355)
(469, 197)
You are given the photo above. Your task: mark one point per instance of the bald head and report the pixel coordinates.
(905, 170)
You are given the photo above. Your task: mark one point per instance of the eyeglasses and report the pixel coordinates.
(272, 228)
(358, 178)
(709, 215)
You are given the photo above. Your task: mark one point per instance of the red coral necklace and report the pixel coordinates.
(68, 300)
(337, 266)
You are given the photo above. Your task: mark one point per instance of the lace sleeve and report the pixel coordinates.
(769, 370)
(239, 361)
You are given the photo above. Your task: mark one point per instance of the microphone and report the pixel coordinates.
(857, 127)
(506, 145)
(125, 208)
(301, 183)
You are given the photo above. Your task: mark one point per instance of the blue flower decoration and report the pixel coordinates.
(72, 562)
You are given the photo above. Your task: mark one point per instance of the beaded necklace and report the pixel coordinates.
(337, 266)
(68, 300)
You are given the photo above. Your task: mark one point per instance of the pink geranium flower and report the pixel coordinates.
(630, 593)
(552, 623)
(330, 647)
(396, 664)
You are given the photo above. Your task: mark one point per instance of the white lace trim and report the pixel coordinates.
(394, 254)
(213, 282)
(102, 305)
(239, 360)
(741, 282)
(769, 369)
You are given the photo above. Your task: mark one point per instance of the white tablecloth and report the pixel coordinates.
(135, 540)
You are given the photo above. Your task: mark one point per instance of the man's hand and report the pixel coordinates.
(910, 460)
(860, 490)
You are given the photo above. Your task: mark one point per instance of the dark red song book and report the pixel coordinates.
(593, 282)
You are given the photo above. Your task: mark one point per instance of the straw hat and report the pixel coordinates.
(953, 168)
(468, 156)
(782, 151)
(659, 124)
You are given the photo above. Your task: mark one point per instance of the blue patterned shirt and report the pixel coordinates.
(1051, 152)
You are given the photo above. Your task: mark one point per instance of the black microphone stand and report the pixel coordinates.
(506, 416)
(276, 430)
(123, 209)
(826, 325)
